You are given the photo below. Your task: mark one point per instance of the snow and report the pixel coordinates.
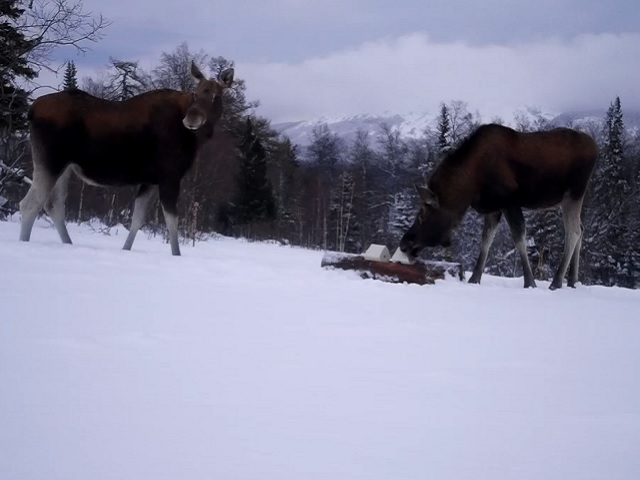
(248, 361)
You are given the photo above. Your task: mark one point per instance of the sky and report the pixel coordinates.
(306, 59)
(246, 360)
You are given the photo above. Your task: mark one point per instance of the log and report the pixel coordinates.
(421, 272)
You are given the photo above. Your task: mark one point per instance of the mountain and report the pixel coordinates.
(413, 124)
(631, 119)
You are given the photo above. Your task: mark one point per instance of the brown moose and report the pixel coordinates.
(148, 140)
(500, 171)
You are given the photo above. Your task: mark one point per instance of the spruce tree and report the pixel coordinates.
(609, 192)
(70, 81)
(14, 48)
(443, 131)
(255, 202)
(14, 65)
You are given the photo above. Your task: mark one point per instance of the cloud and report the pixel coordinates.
(414, 73)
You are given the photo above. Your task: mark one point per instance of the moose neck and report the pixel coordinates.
(205, 133)
(452, 183)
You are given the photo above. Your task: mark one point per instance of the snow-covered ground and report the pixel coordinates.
(242, 361)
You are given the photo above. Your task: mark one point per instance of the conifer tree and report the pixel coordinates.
(70, 81)
(14, 65)
(443, 131)
(255, 200)
(14, 47)
(607, 212)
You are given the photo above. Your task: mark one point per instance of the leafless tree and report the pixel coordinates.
(52, 24)
(462, 121)
(174, 70)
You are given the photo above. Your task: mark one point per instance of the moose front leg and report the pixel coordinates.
(491, 222)
(169, 200)
(515, 219)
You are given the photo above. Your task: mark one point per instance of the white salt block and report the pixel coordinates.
(400, 257)
(377, 253)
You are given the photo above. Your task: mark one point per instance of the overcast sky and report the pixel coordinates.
(306, 59)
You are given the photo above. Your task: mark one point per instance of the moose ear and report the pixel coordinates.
(195, 72)
(428, 197)
(225, 79)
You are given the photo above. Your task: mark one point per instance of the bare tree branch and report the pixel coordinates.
(51, 24)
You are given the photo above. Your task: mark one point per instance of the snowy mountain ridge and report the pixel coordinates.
(412, 125)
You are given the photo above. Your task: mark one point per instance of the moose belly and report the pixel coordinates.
(523, 199)
(101, 175)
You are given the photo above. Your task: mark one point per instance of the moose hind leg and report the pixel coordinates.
(31, 205)
(55, 206)
(140, 209)
(491, 222)
(572, 242)
(515, 219)
(169, 200)
(575, 262)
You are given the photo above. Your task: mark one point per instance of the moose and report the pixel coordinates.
(498, 171)
(149, 140)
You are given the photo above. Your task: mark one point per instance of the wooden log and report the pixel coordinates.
(421, 272)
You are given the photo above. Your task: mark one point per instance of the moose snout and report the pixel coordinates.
(192, 123)
(195, 118)
(405, 244)
(408, 246)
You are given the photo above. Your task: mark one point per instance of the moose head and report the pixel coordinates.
(207, 98)
(432, 227)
